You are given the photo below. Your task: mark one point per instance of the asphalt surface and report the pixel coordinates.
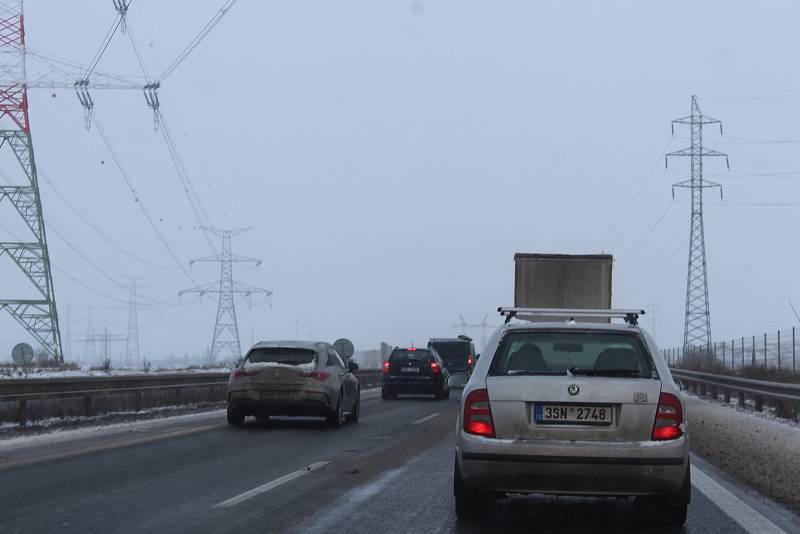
(390, 473)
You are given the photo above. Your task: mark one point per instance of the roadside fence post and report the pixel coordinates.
(22, 414)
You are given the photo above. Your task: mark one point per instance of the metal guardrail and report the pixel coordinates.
(710, 383)
(24, 390)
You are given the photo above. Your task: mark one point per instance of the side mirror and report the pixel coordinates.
(477, 357)
(352, 366)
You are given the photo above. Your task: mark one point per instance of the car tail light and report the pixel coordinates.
(411, 349)
(669, 418)
(469, 360)
(239, 373)
(386, 368)
(317, 375)
(435, 369)
(478, 414)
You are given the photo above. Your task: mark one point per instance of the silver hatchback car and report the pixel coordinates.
(302, 378)
(573, 408)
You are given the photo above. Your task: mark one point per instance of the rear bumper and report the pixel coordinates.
(573, 468)
(310, 403)
(412, 385)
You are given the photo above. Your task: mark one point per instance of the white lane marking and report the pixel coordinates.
(735, 508)
(426, 418)
(270, 485)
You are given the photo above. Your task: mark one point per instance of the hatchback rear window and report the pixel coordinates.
(452, 350)
(580, 353)
(282, 355)
(417, 355)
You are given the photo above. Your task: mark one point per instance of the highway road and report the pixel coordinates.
(390, 473)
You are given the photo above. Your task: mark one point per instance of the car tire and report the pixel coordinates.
(336, 419)
(235, 417)
(356, 413)
(467, 501)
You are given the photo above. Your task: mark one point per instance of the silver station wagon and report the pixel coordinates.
(573, 408)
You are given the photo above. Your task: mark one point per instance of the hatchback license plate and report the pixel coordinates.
(409, 370)
(572, 414)
(277, 395)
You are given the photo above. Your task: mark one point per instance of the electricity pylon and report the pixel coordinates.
(697, 326)
(105, 338)
(37, 315)
(461, 324)
(226, 328)
(132, 340)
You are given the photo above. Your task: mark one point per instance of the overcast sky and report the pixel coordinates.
(393, 156)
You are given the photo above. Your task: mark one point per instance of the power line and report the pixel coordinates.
(139, 201)
(197, 39)
(106, 41)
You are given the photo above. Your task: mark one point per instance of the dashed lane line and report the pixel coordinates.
(426, 418)
(233, 501)
(734, 507)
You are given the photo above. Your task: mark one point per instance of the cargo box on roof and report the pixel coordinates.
(562, 281)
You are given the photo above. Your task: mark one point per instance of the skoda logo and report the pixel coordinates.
(573, 389)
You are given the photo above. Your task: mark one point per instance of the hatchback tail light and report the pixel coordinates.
(239, 373)
(386, 368)
(669, 418)
(469, 360)
(435, 369)
(317, 375)
(478, 414)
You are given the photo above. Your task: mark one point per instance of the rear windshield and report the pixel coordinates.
(417, 355)
(283, 355)
(452, 350)
(580, 353)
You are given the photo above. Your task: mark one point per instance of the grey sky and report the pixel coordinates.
(392, 156)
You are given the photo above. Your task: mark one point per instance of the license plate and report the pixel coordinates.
(277, 395)
(409, 370)
(572, 414)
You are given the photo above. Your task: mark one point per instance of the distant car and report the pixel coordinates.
(414, 371)
(458, 354)
(573, 409)
(294, 378)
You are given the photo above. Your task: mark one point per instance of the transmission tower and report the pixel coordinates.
(132, 340)
(697, 329)
(105, 338)
(89, 349)
(226, 329)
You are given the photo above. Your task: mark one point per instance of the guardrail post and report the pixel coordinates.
(177, 396)
(759, 403)
(22, 413)
(87, 406)
(727, 394)
(714, 392)
(703, 389)
(741, 399)
(137, 401)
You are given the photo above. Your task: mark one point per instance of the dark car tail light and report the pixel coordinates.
(317, 375)
(669, 418)
(239, 373)
(478, 414)
(469, 360)
(435, 369)
(386, 368)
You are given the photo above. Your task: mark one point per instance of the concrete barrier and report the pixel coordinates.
(26, 400)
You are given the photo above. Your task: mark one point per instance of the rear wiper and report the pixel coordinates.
(536, 373)
(287, 362)
(605, 372)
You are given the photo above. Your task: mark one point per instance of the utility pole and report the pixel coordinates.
(226, 328)
(697, 325)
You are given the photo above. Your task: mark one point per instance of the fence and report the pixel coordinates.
(775, 350)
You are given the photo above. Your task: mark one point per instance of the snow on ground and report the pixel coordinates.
(61, 436)
(759, 449)
(44, 372)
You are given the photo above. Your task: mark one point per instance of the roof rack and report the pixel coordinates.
(631, 316)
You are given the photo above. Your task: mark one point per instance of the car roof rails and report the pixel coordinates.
(631, 316)
(464, 338)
